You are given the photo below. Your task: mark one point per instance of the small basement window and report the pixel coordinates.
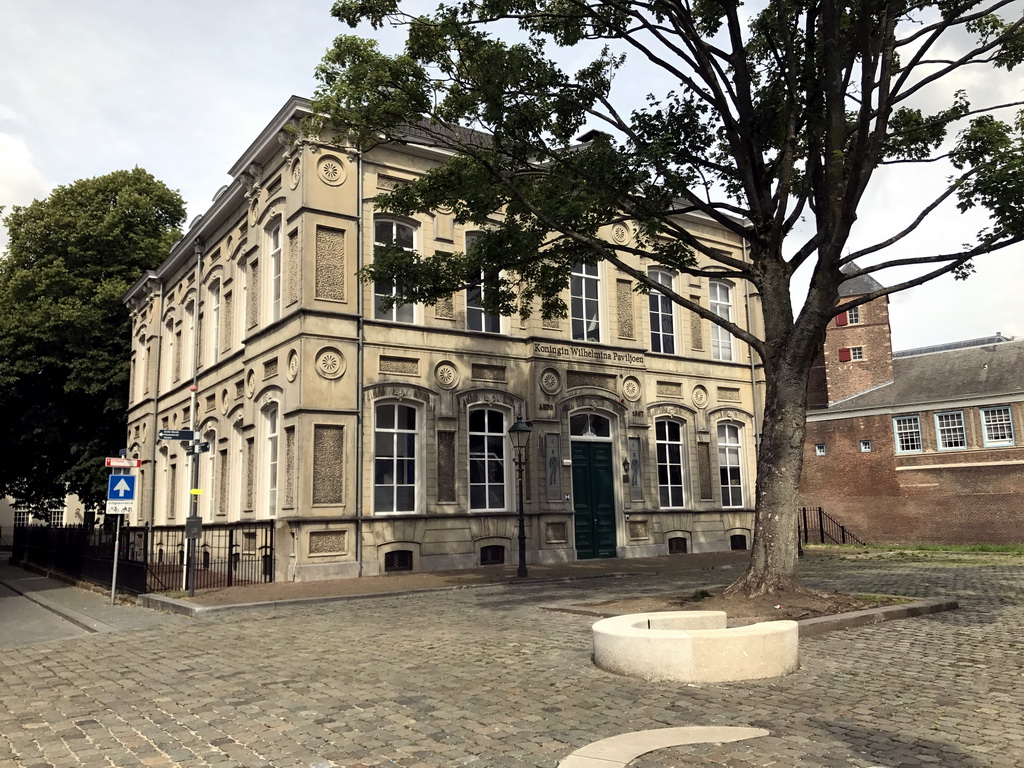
(492, 555)
(819, 449)
(738, 542)
(399, 560)
(677, 545)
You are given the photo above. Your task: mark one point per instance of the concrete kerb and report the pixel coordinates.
(77, 618)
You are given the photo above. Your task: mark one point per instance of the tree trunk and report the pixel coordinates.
(790, 350)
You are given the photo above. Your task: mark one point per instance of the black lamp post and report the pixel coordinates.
(519, 433)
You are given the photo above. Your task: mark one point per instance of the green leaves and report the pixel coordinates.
(64, 332)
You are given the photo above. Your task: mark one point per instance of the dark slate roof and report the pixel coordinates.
(997, 339)
(858, 286)
(956, 374)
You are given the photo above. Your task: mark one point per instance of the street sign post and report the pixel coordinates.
(121, 488)
(197, 448)
(176, 434)
(118, 507)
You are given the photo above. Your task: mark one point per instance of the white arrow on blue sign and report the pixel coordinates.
(121, 488)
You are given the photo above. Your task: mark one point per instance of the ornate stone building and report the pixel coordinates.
(377, 439)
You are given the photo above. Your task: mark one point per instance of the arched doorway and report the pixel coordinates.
(592, 485)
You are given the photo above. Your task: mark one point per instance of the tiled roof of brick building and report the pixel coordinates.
(952, 374)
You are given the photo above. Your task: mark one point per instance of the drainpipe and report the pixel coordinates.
(359, 364)
(751, 352)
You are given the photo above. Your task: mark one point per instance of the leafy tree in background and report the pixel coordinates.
(763, 115)
(64, 333)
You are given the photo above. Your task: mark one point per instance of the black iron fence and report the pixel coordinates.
(152, 559)
(6, 538)
(816, 526)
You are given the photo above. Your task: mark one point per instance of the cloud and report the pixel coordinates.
(21, 182)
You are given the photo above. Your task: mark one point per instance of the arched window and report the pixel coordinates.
(721, 305)
(487, 465)
(208, 477)
(394, 459)
(387, 232)
(212, 329)
(663, 331)
(672, 463)
(729, 469)
(585, 290)
(477, 319)
(589, 424)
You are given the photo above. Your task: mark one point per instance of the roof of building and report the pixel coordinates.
(997, 339)
(859, 285)
(943, 376)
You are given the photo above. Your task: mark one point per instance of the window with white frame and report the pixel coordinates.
(853, 316)
(394, 458)
(907, 430)
(208, 477)
(486, 459)
(672, 463)
(271, 442)
(997, 425)
(819, 449)
(865, 446)
(721, 305)
(663, 332)
(273, 269)
(477, 319)
(729, 470)
(585, 290)
(856, 353)
(392, 233)
(949, 431)
(22, 517)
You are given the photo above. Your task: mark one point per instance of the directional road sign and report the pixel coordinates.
(176, 434)
(121, 488)
(197, 448)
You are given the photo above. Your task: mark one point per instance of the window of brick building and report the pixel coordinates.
(819, 449)
(907, 430)
(865, 446)
(998, 426)
(853, 316)
(846, 354)
(949, 431)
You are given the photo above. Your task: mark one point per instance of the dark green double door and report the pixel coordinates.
(593, 499)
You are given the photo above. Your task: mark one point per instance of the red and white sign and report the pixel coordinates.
(123, 463)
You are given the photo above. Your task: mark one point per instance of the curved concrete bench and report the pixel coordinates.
(694, 647)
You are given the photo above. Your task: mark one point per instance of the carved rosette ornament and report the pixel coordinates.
(294, 173)
(631, 389)
(620, 234)
(250, 383)
(293, 365)
(700, 397)
(225, 403)
(550, 381)
(446, 375)
(330, 363)
(331, 170)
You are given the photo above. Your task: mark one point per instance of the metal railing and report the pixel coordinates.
(814, 525)
(151, 559)
(6, 538)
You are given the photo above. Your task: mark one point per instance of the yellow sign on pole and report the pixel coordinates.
(196, 491)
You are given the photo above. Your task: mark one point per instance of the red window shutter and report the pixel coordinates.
(844, 355)
(842, 319)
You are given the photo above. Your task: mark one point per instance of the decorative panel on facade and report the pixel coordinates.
(227, 320)
(624, 304)
(250, 474)
(289, 467)
(707, 492)
(253, 310)
(696, 328)
(445, 308)
(270, 368)
(330, 264)
(328, 542)
(729, 394)
(294, 262)
(488, 372)
(446, 466)
(556, 533)
(408, 366)
(328, 463)
(669, 389)
(589, 379)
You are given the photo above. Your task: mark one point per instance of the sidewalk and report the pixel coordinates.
(83, 607)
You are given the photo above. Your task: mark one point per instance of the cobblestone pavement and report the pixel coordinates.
(491, 677)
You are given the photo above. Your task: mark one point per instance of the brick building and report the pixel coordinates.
(918, 446)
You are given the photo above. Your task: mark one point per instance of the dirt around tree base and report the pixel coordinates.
(741, 610)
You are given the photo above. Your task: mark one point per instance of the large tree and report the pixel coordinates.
(772, 118)
(64, 334)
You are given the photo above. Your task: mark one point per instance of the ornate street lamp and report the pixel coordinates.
(519, 433)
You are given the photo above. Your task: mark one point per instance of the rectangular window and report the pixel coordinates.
(730, 478)
(477, 319)
(819, 449)
(672, 461)
(907, 430)
(585, 292)
(213, 314)
(998, 426)
(721, 305)
(275, 274)
(949, 431)
(271, 459)
(394, 458)
(486, 459)
(853, 316)
(663, 334)
(865, 446)
(856, 353)
(396, 234)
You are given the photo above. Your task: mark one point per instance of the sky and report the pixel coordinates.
(182, 87)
